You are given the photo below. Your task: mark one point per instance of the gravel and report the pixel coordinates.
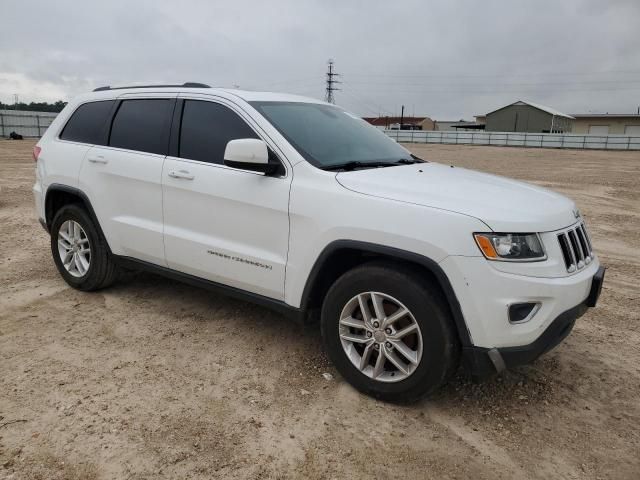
(156, 379)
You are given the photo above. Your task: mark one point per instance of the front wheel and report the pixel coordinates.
(389, 332)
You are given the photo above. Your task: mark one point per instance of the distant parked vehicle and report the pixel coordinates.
(412, 266)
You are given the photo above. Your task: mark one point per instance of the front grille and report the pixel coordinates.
(576, 248)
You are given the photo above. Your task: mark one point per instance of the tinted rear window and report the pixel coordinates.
(87, 123)
(142, 125)
(206, 129)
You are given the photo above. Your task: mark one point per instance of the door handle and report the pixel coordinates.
(182, 174)
(98, 159)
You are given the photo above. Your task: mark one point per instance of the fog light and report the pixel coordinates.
(523, 312)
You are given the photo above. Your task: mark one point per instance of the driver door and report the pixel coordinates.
(223, 224)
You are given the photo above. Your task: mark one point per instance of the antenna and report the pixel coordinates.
(331, 82)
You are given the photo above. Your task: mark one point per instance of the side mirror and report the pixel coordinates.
(249, 154)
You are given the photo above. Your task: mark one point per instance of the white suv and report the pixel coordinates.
(412, 266)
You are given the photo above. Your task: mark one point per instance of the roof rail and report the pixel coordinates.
(184, 85)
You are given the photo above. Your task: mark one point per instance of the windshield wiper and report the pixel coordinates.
(409, 161)
(357, 164)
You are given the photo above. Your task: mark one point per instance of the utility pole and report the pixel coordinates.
(401, 117)
(331, 82)
(15, 101)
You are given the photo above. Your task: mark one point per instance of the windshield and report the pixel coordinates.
(327, 136)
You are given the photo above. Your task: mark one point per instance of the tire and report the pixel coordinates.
(398, 286)
(101, 270)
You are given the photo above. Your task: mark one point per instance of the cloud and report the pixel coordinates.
(448, 60)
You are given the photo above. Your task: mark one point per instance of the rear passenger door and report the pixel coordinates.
(223, 224)
(123, 178)
(85, 127)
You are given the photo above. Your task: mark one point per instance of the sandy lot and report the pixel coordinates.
(155, 379)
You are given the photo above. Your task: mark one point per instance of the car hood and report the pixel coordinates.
(504, 205)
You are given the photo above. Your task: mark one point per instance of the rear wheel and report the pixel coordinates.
(389, 332)
(79, 250)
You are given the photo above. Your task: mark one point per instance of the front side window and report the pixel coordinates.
(142, 125)
(329, 137)
(87, 123)
(206, 129)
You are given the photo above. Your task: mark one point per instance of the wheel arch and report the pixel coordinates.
(58, 195)
(342, 255)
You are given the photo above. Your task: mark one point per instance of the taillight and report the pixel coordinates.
(36, 153)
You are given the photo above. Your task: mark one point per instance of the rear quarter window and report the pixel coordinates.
(87, 123)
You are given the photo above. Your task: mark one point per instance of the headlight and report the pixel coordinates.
(516, 247)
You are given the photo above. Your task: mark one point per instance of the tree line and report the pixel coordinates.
(34, 106)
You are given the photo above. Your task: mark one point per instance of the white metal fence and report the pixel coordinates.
(25, 123)
(512, 139)
(34, 124)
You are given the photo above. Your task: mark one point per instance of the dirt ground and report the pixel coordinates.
(155, 379)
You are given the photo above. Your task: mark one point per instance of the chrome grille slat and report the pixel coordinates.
(586, 236)
(582, 242)
(576, 247)
(574, 261)
(566, 251)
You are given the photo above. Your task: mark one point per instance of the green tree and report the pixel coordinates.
(35, 106)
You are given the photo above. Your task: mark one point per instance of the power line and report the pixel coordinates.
(304, 81)
(367, 102)
(510, 72)
(498, 84)
(331, 82)
(366, 107)
(407, 89)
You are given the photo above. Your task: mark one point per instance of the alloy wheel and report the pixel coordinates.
(380, 336)
(74, 248)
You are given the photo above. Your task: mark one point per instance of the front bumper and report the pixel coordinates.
(483, 362)
(485, 294)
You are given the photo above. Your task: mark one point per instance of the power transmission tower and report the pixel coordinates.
(331, 82)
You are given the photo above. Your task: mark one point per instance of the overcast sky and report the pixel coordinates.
(446, 59)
